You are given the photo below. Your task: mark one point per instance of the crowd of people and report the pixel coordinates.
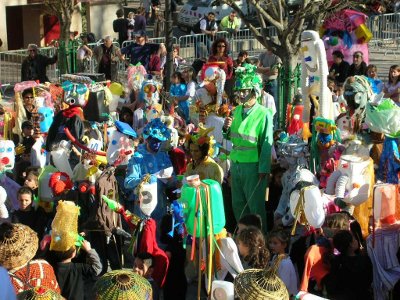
(128, 163)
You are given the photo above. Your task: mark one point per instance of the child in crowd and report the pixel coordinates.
(376, 83)
(252, 248)
(23, 150)
(71, 276)
(26, 214)
(278, 241)
(32, 179)
(249, 220)
(392, 87)
(131, 25)
(350, 275)
(177, 89)
(143, 266)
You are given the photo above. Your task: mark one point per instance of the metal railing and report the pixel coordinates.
(11, 63)
(191, 47)
(386, 33)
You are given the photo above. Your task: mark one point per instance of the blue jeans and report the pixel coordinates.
(200, 42)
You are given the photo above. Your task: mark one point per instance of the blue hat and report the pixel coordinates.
(156, 129)
(125, 129)
(140, 33)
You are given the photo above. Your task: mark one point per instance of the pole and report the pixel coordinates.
(169, 44)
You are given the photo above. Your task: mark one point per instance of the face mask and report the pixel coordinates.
(154, 144)
(245, 96)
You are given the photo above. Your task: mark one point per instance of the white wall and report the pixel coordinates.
(3, 21)
(100, 19)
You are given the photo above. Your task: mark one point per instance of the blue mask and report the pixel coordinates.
(154, 144)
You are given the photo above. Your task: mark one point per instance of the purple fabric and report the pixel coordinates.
(384, 260)
(11, 188)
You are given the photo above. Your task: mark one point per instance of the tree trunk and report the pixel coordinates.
(64, 49)
(289, 81)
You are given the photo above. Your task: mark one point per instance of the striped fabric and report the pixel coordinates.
(37, 273)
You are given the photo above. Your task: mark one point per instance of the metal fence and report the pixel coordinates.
(11, 62)
(386, 33)
(191, 47)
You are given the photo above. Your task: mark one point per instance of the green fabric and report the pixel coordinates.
(246, 77)
(227, 24)
(384, 118)
(248, 193)
(251, 136)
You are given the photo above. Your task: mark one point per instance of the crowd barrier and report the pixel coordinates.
(386, 33)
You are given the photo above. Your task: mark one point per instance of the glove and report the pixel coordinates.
(20, 149)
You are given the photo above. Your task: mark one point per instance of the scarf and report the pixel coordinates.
(71, 111)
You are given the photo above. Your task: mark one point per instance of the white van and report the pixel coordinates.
(194, 10)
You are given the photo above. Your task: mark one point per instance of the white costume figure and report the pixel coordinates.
(7, 155)
(120, 145)
(352, 181)
(292, 154)
(212, 73)
(3, 208)
(314, 76)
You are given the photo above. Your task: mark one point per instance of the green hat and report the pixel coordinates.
(122, 284)
(247, 78)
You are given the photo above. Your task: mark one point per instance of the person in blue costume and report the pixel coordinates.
(148, 159)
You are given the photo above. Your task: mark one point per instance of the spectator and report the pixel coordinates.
(107, 56)
(120, 25)
(250, 220)
(140, 21)
(162, 53)
(340, 68)
(359, 67)
(84, 54)
(243, 58)
(131, 25)
(140, 50)
(376, 84)
(177, 90)
(143, 266)
(177, 59)
(219, 53)
(207, 26)
(34, 66)
(230, 23)
(268, 66)
(392, 87)
(72, 276)
(252, 247)
(27, 215)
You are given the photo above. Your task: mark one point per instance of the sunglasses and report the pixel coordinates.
(357, 56)
(29, 97)
(221, 46)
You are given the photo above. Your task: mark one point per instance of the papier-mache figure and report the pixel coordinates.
(358, 92)
(149, 107)
(149, 160)
(211, 72)
(314, 78)
(76, 96)
(346, 31)
(293, 154)
(120, 144)
(3, 208)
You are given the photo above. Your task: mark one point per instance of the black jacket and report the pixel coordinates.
(121, 26)
(35, 69)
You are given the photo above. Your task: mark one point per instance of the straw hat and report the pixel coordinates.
(18, 245)
(39, 293)
(122, 284)
(257, 284)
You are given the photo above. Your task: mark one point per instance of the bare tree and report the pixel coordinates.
(306, 14)
(63, 10)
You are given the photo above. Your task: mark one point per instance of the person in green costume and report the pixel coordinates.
(250, 130)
